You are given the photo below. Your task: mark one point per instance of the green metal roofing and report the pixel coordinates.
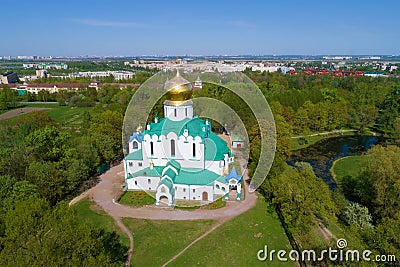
(155, 172)
(170, 173)
(137, 155)
(195, 127)
(196, 177)
(175, 164)
(215, 147)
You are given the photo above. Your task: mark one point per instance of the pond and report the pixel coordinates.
(322, 154)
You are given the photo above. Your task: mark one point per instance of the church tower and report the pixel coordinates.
(178, 105)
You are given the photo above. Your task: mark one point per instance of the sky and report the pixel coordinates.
(155, 27)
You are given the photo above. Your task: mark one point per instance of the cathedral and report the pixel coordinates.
(178, 157)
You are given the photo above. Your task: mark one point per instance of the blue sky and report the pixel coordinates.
(118, 27)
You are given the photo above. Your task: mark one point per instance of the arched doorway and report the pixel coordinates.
(164, 201)
(205, 196)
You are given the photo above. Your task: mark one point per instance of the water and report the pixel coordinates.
(322, 154)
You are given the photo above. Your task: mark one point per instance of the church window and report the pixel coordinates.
(140, 164)
(194, 198)
(162, 189)
(135, 145)
(194, 150)
(130, 163)
(175, 112)
(217, 186)
(186, 112)
(172, 148)
(223, 189)
(184, 198)
(184, 189)
(193, 190)
(149, 181)
(151, 148)
(135, 182)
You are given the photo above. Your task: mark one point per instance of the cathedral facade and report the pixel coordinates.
(178, 157)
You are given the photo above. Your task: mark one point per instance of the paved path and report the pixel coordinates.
(18, 111)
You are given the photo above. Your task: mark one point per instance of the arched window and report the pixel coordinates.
(175, 112)
(151, 148)
(172, 148)
(194, 150)
(186, 112)
(135, 145)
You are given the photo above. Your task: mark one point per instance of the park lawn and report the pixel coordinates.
(68, 116)
(349, 166)
(237, 242)
(157, 241)
(136, 198)
(89, 212)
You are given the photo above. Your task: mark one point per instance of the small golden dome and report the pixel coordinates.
(178, 88)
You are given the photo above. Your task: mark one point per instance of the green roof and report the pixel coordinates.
(155, 172)
(137, 155)
(215, 147)
(195, 127)
(170, 173)
(196, 177)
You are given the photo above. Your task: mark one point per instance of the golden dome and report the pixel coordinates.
(178, 88)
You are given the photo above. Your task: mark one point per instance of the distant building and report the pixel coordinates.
(41, 73)
(198, 84)
(9, 77)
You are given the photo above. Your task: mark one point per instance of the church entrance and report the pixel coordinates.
(164, 201)
(205, 196)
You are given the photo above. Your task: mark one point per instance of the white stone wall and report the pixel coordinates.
(182, 112)
(216, 166)
(132, 166)
(193, 192)
(142, 183)
(130, 144)
(166, 193)
(218, 188)
(183, 150)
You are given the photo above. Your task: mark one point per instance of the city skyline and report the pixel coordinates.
(127, 28)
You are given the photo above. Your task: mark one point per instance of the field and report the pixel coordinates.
(158, 241)
(237, 242)
(89, 212)
(349, 166)
(65, 116)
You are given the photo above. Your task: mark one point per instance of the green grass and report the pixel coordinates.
(98, 218)
(157, 241)
(136, 198)
(67, 116)
(237, 242)
(70, 117)
(349, 166)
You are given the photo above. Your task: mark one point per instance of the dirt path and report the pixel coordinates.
(19, 111)
(193, 242)
(331, 170)
(111, 185)
(325, 133)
